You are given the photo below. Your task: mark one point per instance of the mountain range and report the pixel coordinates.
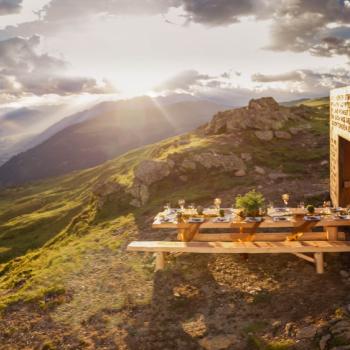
(93, 136)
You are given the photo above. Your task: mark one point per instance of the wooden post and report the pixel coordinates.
(160, 261)
(319, 262)
(332, 233)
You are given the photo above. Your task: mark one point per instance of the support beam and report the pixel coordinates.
(160, 261)
(305, 257)
(319, 262)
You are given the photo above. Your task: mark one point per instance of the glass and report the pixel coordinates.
(167, 207)
(217, 203)
(285, 198)
(301, 205)
(182, 203)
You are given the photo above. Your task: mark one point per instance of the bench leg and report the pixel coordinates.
(160, 261)
(319, 262)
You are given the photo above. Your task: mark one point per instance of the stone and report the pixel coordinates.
(259, 170)
(227, 162)
(218, 342)
(289, 328)
(140, 192)
(283, 135)
(170, 163)
(277, 176)
(151, 171)
(323, 342)
(240, 173)
(307, 332)
(246, 156)
(183, 178)
(294, 131)
(136, 203)
(188, 165)
(344, 274)
(266, 135)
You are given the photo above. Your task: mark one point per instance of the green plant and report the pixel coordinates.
(250, 203)
(310, 209)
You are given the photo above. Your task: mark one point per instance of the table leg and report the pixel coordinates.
(319, 262)
(160, 261)
(332, 233)
(187, 234)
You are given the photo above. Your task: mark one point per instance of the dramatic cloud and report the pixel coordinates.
(25, 71)
(318, 26)
(9, 6)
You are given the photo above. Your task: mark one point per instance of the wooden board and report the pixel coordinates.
(240, 247)
(268, 223)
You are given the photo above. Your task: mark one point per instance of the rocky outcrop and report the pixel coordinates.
(147, 173)
(262, 114)
(102, 191)
(151, 171)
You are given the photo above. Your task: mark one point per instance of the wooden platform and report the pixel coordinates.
(298, 248)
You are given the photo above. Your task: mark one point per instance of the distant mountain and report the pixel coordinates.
(102, 133)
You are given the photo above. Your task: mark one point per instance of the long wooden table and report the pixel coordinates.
(296, 228)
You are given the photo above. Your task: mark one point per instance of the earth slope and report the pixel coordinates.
(66, 281)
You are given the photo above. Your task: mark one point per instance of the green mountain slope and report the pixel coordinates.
(62, 241)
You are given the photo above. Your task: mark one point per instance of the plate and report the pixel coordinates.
(280, 218)
(280, 210)
(253, 219)
(341, 217)
(312, 218)
(225, 219)
(195, 220)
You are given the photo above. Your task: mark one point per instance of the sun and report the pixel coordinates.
(132, 83)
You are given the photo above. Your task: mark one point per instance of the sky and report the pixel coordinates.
(82, 51)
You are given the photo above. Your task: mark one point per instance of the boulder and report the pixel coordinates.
(266, 135)
(307, 332)
(151, 171)
(283, 135)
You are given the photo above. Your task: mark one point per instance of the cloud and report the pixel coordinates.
(318, 26)
(268, 78)
(184, 80)
(10, 6)
(217, 13)
(305, 81)
(23, 70)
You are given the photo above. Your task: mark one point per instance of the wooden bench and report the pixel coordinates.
(298, 248)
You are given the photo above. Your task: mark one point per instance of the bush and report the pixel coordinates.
(250, 203)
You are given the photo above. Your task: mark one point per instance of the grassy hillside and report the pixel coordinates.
(62, 244)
